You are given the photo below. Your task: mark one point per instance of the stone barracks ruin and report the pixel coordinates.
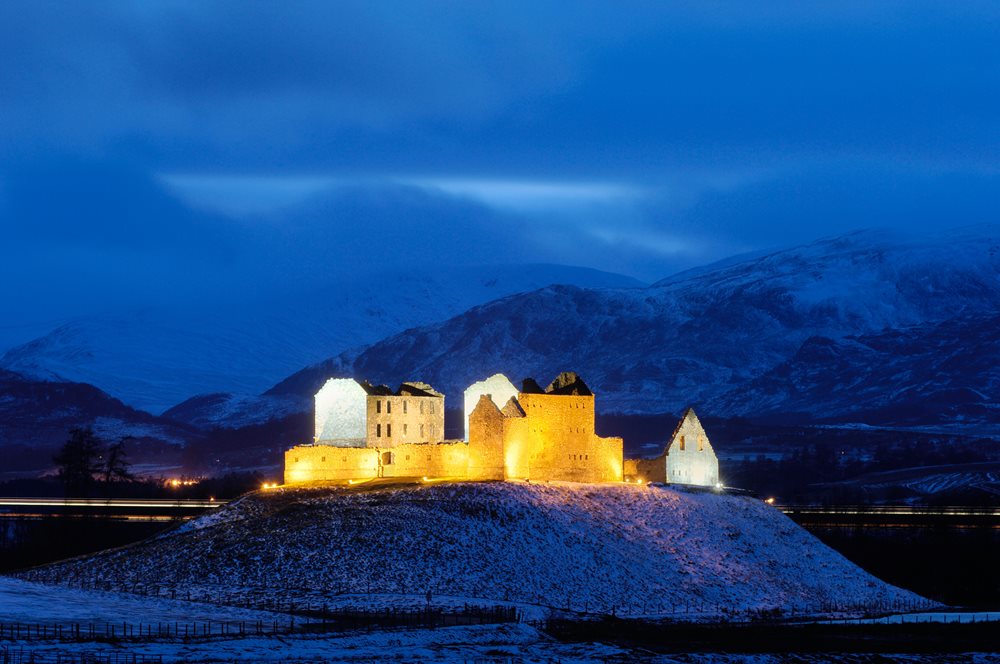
(366, 431)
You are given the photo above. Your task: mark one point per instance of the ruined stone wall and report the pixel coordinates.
(498, 387)
(445, 459)
(317, 463)
(398, 420)
(646, 470)
(556, 441)
(610, 451)
(486, 441)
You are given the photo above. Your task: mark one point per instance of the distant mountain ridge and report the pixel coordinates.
(156, 358)
(861, 329)
(705, 336)
(36, 416)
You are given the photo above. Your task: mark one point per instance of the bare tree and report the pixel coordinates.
(116, 466)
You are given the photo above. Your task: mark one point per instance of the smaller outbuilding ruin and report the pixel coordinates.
(688, 458)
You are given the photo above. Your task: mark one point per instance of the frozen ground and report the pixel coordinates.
(35, 603)
(484, 643)
(957, 617)
(629, 550)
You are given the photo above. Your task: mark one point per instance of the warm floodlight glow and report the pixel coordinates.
(769, 501)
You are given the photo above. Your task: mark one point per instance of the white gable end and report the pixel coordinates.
(497, 386)
(341, 413)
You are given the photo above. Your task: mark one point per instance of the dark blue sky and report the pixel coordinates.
(175, 150)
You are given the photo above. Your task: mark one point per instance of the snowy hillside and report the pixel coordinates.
(692, 338)
(156, 358)
(600, 548)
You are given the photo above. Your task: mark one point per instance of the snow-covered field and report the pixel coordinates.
(628, 550)
(37, 604)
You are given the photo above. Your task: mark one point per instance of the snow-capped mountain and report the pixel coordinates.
(931, 374)
(694, 337)
(158, 357)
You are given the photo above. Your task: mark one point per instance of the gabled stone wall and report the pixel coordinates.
(687, 458)
(690, 458)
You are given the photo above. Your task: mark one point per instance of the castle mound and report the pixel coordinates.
(627, 549)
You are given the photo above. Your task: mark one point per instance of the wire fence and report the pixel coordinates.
(311, 620)
(21, 656)
(307, 601)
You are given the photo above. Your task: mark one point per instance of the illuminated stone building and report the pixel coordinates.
(353, 414)
(365, 432)
(542, 435)
(688, 457)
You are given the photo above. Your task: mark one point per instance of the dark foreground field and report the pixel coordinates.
(781, 638)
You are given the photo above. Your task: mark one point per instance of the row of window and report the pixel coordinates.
(388, 430)
(389, 458)
(579, 457)
(570, 429)
(701, 443)
(388, 406)
(574, 404)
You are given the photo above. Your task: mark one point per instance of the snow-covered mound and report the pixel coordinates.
(156, 358)
(599, 548)
(694, 337)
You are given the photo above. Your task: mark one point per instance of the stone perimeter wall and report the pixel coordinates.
(326, 463)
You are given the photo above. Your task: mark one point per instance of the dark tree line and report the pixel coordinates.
(85, 459)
